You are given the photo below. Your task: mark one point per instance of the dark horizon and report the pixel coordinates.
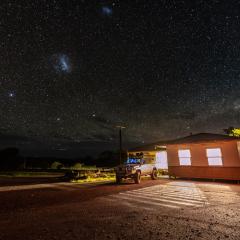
(67, 148)
(60, 148)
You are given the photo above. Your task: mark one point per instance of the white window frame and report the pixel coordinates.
(214, 159)
(184, 156)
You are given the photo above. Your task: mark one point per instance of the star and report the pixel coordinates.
(11, 94)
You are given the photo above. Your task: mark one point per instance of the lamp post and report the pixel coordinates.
(120, 142)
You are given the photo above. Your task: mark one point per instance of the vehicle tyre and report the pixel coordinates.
(118, 179)
(137, 177)
(154, 174)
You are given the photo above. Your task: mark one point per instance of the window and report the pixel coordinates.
(184, 157)
(214, 156)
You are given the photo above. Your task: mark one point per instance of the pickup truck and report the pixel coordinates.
(134, 168)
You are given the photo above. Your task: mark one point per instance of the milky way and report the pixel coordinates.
(162, 68)
(61, 63)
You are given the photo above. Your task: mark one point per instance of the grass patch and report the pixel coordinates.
(91, 179)
(94, 177)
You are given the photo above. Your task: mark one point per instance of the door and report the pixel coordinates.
(161, 160)
(147, 166)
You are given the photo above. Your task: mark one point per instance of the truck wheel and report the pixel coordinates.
(154, 174)
(118, 179)
(137, 178)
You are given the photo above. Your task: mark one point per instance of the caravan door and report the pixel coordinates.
(161, 160)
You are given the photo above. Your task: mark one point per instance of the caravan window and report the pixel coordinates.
(214, 156)
(184, 157)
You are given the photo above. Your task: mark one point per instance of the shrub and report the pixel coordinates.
(56, 165)
(77, 166)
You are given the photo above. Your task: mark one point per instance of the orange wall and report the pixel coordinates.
(229, 150)
(228, 173)
(199, 164)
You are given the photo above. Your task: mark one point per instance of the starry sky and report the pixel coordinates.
(72, 70)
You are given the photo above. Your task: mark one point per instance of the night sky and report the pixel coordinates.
(73, 70)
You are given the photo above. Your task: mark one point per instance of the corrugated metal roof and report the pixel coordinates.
(194, 138)
(203, 137)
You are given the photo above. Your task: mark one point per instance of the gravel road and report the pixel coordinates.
(161, 209)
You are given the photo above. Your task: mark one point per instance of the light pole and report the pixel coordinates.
(120, 142)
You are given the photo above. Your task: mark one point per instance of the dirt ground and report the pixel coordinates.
(161, 209)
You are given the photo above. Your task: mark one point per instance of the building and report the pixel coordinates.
(203, 155)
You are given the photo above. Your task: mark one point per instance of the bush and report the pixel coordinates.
(56, 165)
(77, 166)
